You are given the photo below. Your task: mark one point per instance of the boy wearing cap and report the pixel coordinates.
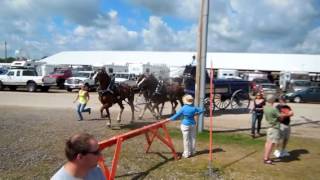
(188, 125)
(285, 129)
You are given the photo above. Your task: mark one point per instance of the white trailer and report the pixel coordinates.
(293, 80)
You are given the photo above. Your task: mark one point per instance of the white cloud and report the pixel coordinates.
(311, 43)
(45, 26)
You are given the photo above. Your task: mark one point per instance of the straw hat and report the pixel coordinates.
(187, 99)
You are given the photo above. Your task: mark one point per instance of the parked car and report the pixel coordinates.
(255, 83)
(298, 85)
(311, 94)
(269, 88)
(61, 75)
(79, 78)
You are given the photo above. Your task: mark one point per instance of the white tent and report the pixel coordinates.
(240, 61)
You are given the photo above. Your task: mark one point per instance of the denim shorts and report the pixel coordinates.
(285, 131)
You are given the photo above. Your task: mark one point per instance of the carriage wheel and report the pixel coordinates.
(207, 106)
(220, 102)
(240, 100)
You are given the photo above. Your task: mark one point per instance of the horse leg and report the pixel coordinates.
(174, 104)
(131, 104)
(120, 113)
(108, 123)
(157, 113)
(162, 106)
(132, 111)
(143, 111)
(101, 111)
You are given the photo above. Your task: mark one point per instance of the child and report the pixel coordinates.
(83, 97)
(188, 125)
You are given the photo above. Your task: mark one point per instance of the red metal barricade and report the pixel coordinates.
(150, 131)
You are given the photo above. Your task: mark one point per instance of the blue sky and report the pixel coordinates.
(43, 27)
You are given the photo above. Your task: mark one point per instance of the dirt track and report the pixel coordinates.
(305, 121)
(33, 127)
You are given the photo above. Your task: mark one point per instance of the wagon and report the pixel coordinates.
(227, 93)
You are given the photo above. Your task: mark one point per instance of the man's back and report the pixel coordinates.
(94, 174)
(272, 115)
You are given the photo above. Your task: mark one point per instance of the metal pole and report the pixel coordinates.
(203, 57)
(5, 51)
(198, 64)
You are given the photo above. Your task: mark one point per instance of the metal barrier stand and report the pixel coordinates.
(150, 131)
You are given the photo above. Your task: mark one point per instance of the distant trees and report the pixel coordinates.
(8, 60)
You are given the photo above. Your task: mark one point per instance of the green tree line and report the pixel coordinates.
(8, 60)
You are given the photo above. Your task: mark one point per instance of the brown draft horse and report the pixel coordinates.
(157, 92)
(107, 98)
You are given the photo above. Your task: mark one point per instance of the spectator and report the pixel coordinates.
(285, 128)
(273, 117)
(188, 125)
(82, 152)
(83, 97)
(257, 114)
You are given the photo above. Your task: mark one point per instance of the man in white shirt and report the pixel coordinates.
(82, 152)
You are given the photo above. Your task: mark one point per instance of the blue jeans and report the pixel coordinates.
(80, 109)
(256, 119)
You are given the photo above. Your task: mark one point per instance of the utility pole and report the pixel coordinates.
(201, 59)
(5, 51)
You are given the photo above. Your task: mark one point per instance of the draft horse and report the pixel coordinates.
(157, 92)
(117, 95)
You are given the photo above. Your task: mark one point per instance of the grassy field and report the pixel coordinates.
(238, 156)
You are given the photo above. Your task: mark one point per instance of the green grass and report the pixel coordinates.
(222, 138)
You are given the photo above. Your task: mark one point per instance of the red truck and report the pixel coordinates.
(61, 75)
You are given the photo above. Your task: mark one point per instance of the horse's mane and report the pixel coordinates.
(103, 78)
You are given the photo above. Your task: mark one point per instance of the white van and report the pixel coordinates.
(228, 74)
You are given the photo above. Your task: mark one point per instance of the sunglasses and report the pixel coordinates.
(97, 152)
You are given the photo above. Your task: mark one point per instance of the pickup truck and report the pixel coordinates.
(25, 78)
(78, 78)
(60, 75)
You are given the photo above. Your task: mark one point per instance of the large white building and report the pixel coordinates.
(240, 61)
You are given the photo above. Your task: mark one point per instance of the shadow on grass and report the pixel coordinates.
(294, 155)
(142, 175)
(206, 151)
(237, 160)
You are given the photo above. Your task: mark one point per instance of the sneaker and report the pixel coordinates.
(185, 156)
(277, 153)
(285, 153)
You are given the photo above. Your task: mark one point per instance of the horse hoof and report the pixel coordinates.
(108, 124)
